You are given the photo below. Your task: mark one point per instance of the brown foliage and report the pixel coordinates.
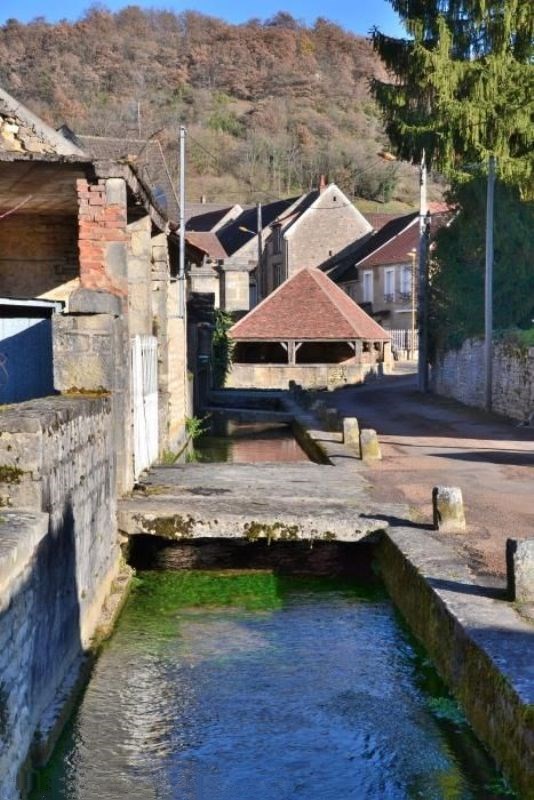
(274, 103)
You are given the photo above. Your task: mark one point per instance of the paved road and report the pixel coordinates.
(428, 441)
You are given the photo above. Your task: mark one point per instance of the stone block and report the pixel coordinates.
(448, 509)
(520, 569)
(90, 301)
(369, 445)
(116, 260)
(351, 433)
(116, 192)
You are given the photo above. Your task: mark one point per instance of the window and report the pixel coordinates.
(368, 287)
(277, 240)
(406, 281)
(406, 284)
(389, 285)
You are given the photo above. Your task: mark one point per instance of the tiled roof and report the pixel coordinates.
(206, 241)
(147, 157)
(235, 235)
(308, 306)
(398, 239)
(345, 268)
(379, 219)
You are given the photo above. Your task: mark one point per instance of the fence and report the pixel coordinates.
(144, 350)
(401, 340)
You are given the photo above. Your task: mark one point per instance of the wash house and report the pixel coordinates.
(308, 331)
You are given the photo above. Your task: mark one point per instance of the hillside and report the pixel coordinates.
(268, 105)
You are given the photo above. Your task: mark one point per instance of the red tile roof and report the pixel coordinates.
(397, 250)
(207, 242)
(308, 306)
(379, 219)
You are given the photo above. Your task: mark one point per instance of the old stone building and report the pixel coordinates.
(90, 231)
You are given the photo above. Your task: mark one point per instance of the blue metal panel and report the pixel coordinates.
(26, 361)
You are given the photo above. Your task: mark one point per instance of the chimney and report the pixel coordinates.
(322, 184)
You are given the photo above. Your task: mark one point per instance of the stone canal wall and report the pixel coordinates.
(59, 556)
(460, 374)
(480, 645)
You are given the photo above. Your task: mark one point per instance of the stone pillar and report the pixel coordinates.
(102, 235)
(139, 257)
(448, 509)
(351, 433)
(169, 329)
(520, 569)
(369, 445)
(92, 354)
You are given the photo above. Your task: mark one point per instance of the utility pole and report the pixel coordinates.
(488, 287)
(181, 258)
(259, 228)
(422, 372)
(412, 332)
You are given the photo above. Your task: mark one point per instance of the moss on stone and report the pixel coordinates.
(276, 531)
(10, 474)
(172, 527)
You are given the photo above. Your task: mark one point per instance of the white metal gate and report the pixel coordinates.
(144, 351)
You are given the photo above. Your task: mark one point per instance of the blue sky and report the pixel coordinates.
(356, 15)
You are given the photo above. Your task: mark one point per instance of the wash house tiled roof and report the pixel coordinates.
(308, 307)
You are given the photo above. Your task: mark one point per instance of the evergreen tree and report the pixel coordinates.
(463, 85)
(457, 277)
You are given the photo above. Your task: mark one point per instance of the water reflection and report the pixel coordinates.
(313, 696)
(250, 443)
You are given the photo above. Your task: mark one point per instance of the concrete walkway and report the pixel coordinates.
(428, 441)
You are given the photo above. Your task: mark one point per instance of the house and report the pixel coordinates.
(308, 331)
(381, 273)
(266, 244)
(84, 231)
(318, 226)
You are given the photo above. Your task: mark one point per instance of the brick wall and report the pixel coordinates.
(460, 374)
(102, 235)
(38, 256)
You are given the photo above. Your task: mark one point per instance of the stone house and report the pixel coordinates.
(381, 273)
(299, 231)
(82, 224)
(378, 273)
(318, 226)
(308, 331)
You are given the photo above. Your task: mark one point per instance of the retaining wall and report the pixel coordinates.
(480, 645)
(278, 376)
(461, 374)
(56, 568)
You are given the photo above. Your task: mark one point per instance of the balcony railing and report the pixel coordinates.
(389, 298)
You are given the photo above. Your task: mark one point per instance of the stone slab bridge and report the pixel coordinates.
(272, 501)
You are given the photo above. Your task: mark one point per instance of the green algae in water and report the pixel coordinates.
(228, 685)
